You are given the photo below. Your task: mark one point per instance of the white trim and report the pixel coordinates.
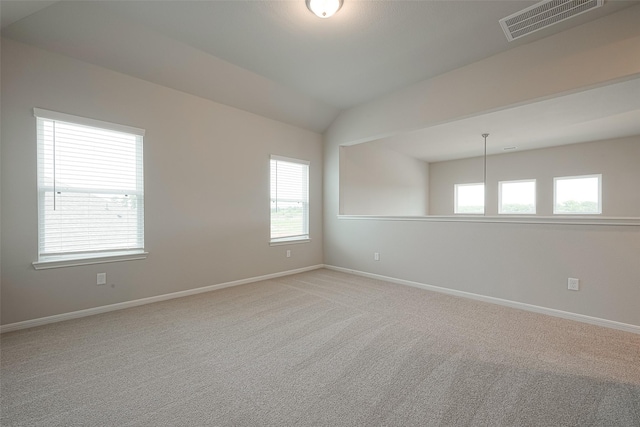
(69, 118)
(150, 300)
(535, 196)
(532, 219)
(455, 198)
(289, 159)
(508, 303)
(555, 193)
(287, 180)
(56, 248)
(289, 241)
(59, 262)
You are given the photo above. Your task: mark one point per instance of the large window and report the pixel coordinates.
(577, 195)
(289, 200)
(517, 197)
(90, 188)
(469, 198)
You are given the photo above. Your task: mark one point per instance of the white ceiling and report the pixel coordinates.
(606, 112)
(275, 58)
(12, 11)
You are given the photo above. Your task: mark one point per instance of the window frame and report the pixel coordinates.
(535, 196)
(455, 198)
(555, 193)
(304, 237)
(65, 259)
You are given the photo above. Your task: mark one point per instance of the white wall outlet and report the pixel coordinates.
(288, 253)
(101, 279)
(573, 284)
(376, 256)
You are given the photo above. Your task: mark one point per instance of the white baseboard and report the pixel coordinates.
(128, 304)
(514, 304)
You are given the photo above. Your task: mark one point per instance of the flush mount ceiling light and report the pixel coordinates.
(324, 8)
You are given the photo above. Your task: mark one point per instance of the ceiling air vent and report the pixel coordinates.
(544, 14)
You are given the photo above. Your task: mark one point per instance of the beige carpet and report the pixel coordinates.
(320, 348)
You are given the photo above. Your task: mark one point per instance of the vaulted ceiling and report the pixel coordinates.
(275, 58)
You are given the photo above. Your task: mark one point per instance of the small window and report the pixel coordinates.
(579, 195)
(289, 200)
(469, 198)
(90, 188)
(517, 197)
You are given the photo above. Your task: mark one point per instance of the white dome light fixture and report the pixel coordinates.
(324, 8)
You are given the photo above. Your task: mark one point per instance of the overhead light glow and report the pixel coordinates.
(324, 8)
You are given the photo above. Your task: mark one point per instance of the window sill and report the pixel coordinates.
(289, 241)
(62, 261)
(525, 219)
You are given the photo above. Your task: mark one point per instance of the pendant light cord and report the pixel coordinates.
(485, 135)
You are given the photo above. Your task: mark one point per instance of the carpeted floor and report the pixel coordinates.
(320, 348)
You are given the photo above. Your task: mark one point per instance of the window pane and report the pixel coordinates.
(92, 158)
(577, 195)
(289, 199)
(517, 197)
(85, 222)
(469, 198)
(90, 186)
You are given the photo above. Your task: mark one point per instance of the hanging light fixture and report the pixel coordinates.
(324, 8)
(485, 135)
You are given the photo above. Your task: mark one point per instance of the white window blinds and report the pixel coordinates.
(289, 199)
(90, 187)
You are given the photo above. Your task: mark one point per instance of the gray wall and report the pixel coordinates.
(528, 263)
(617, 161)
(378, 181)
(444, 175)
(206, 187)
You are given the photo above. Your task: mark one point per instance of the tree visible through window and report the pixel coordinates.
(90, 187)
(517, 197)
(577, 195)
(289, 199)
(469, 198)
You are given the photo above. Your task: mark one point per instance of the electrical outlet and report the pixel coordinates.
(573, 284)
(288, 253)
(376, 256)
(101, 279)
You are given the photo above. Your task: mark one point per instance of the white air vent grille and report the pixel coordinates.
(544, 14)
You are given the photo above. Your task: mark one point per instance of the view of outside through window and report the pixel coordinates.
(577, 195)
(469, 198)
(90, 189)
(517, 197)
(289, 199)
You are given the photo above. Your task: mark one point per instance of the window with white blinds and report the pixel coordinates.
(90, 187)
(289, 199)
